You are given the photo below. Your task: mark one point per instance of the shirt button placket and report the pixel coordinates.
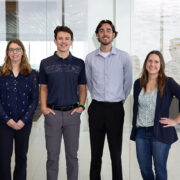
(15, 95)
(106, 79)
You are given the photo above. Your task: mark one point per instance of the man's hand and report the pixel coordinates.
(47, 110)
(78, 110)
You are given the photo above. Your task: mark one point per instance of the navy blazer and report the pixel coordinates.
(167, 135)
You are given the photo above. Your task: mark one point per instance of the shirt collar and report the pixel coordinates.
(113, 51)
(57, 57)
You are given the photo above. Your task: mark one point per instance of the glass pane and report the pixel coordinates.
(33, 22)
(76, 17)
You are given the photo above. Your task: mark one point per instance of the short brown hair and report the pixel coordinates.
(64, 29)
(106, 22)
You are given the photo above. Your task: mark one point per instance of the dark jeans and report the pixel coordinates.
(21, 138)
(106, 118)
(148, 147)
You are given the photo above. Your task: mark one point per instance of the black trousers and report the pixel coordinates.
(21, 138)
(106, 119)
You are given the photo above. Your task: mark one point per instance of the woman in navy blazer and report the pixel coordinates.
(154, 141)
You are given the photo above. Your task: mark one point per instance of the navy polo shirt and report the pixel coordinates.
(62, 77)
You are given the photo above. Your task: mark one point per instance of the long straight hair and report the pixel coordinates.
(162, 78)
(25, 67)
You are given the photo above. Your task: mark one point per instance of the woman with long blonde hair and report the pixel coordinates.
(152, 128)
(18, 101)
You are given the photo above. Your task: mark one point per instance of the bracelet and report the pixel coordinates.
(81, 105)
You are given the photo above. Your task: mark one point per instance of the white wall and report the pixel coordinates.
(97, 11)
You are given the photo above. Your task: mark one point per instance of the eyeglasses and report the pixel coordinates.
(12, 50)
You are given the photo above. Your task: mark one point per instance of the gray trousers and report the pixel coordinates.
(62, 123)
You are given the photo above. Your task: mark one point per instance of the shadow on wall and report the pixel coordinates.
(174, 110)
(37, 113)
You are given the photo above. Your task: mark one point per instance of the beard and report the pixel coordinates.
(105, 42)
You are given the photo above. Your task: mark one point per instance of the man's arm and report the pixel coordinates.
(82, 94)
(127, 76)
(82, 98)
(43, 95)
(88, 74)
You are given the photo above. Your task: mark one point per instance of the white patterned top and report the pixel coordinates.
(146, 108)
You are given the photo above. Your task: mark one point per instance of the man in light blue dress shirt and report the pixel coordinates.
(109, 80)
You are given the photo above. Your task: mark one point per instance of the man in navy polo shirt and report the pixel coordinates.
(63, 94)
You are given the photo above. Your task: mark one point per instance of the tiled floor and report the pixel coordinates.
(37, 157)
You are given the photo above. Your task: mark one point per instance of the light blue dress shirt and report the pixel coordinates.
(109, 79)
